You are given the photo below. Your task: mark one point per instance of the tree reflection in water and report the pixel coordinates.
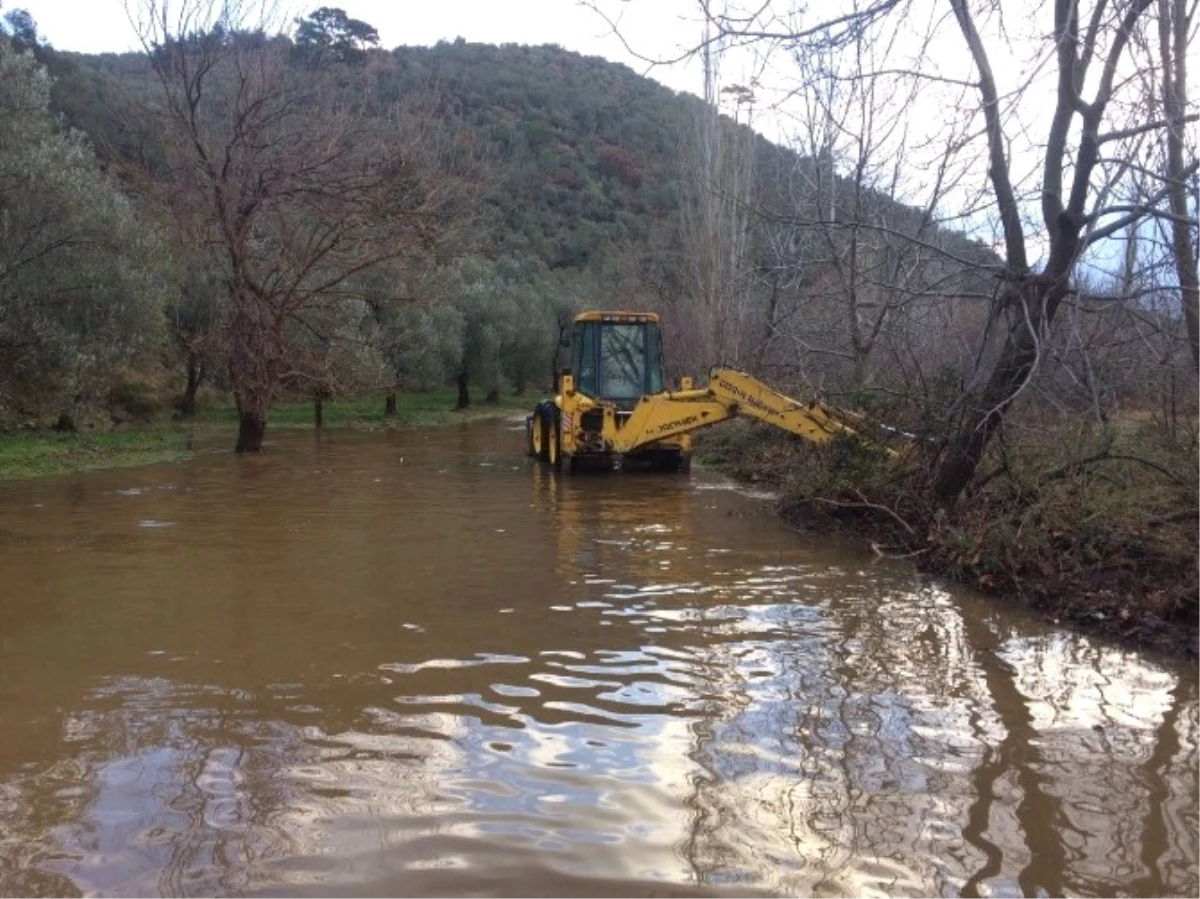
(380, 692)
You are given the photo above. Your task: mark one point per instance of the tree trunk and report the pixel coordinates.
(764, 345)
(195, 377)
(464, 395)
(985, 412)
(251, 427)
(389, 406)
(861, 357)
(318, 412)
(256, 350)
(1172, 25)
(252, 423)
(493, 397)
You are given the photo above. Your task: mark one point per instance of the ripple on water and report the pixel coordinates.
(443, 670)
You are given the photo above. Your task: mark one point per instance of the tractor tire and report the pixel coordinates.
(553, 447)
(533, 436)
(543, 434)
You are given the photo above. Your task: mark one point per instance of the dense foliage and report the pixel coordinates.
(560, 197)
(79, 275)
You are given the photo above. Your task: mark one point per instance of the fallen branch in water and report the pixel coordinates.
(884, 553)
(867, 505)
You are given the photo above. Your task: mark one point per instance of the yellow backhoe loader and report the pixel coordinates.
(612, 405)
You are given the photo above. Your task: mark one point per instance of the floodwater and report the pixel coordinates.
(415, 663)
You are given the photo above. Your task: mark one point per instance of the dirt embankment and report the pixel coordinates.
(1102, 539)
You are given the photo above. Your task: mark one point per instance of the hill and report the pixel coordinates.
(589, 185)
(587, 153)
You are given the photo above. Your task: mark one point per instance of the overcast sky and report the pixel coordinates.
(657, 28)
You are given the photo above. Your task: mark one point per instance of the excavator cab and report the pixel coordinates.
(617, 357)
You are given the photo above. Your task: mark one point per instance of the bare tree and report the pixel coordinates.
(1176, 25)
(1043, 172)
(1070, 221)
(289, 181)
(881, 281)
(720, 161)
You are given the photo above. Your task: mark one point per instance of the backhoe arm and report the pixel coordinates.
(729, 393)
(749, 396)
(668, 415)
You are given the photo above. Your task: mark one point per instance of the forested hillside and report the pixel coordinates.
(582, 153)
(581, 182)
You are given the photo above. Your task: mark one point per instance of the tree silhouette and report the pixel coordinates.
(22, 29)
(328, 35)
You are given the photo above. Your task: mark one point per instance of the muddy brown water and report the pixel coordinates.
(415, 663)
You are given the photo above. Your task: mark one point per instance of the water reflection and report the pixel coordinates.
(415, 664)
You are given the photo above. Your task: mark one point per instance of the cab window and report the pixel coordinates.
(617, 360)
(623, 361)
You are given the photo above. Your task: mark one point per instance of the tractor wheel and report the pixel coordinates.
(553, 450)
(541, 431)
(533, 436)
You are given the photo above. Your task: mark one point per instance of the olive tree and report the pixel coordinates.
(80, 274)
(515, 314)
(422, 345)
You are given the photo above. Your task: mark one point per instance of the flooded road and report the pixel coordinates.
(414, 663)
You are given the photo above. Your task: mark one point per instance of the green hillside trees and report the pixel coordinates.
(80, 274)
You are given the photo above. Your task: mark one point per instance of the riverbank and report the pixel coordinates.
(40, 453)
(1104, 541)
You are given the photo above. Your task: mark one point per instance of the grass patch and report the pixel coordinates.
(432, 407)
(35, 454)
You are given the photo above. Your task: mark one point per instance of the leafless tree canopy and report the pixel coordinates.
(1058, 138)
(293, 193)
